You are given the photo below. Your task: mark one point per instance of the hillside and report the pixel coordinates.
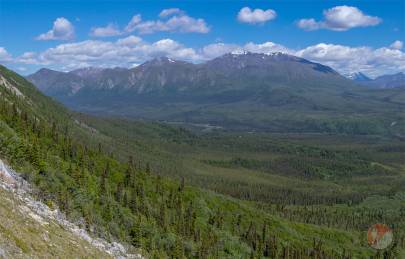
(22, 236)
(30, 229)
(69, 166)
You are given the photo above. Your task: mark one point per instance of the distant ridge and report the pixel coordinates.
(385, 81)
(239, 90)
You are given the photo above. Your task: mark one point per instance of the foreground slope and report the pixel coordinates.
(70, 166)
(21, 236)
(29, 229)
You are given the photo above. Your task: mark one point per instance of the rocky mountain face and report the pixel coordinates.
(31, 229)
(57, 83)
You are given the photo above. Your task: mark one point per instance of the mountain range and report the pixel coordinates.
(385, 81)
(164, 75)
(274, 91)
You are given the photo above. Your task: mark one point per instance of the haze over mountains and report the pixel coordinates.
(237, 90)
(384, 81)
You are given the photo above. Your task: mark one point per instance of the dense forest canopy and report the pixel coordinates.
(294, 196)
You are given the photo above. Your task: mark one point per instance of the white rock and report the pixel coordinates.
(40, 212)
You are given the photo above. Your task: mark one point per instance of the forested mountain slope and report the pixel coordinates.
(127, 201)
(32, 229)
(247, 91)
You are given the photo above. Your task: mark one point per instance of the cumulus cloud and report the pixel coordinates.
(340, 18)
(129, 41)
(28, 58)
(397, 44)
(62, 30)
(135, 20)
(247, 15)
(345, 59)
(4, 55)
(172, 20)
(267, 47)
(175, 20)
(107, 31)
(170, 11)
(309, 24)
(127, 52)
(131, 51)
(217, 49)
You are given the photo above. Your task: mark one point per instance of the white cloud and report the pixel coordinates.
(340, 18)
(62, 30)
(170, 11)
(126, 52)
(178, 21)
(107, 31)
(171, 48)
(217, 49)
(131, 51)
(184, 23)
(309, 24)
(397, 44)
(4, 55)
(345, 59)
(255, 16)
(267, 47)
(129, 41)
(173, 20)
(135, 20)
(28, 58)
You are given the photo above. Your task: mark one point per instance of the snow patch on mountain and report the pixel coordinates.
(358, 76)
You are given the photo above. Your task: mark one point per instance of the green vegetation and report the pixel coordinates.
(310, 178)
(113, 174)
(277, 168)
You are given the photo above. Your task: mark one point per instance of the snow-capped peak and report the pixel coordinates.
(240, 52)
(358, 76)
(278, 53)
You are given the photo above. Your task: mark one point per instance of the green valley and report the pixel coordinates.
(142, 183)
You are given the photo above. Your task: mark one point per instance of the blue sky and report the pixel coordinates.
(333, 32)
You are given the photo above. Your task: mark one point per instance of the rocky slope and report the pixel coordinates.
(31, 229)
